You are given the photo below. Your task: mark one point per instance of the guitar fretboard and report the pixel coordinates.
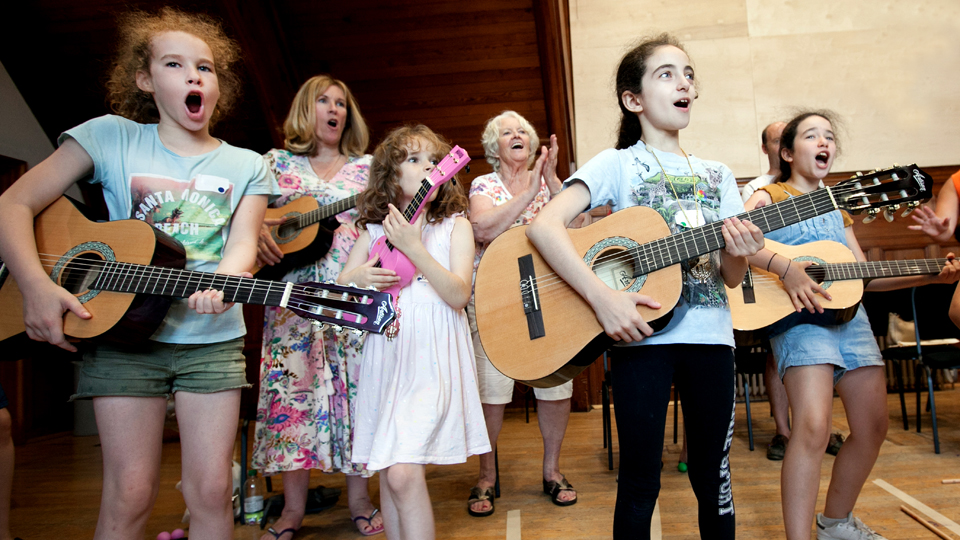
(875, 269)
(692, 243)
(156, 280)
(320, 214)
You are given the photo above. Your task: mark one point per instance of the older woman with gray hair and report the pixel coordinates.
(512, 195)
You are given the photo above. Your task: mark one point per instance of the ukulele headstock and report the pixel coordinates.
(884, 190)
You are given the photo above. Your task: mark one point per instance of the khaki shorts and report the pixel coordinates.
(155, 369)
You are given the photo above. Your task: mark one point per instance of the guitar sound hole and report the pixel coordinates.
(79, 274)
(615, 268)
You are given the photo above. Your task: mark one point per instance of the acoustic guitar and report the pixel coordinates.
(391, 257)
(305, 235)
(127, 273)
(760, 305)
(536, 329)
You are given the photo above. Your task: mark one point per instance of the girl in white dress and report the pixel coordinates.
(418, 400)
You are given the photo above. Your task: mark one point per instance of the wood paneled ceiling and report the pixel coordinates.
(449, 64)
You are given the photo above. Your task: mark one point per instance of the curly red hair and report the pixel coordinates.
(137, 30)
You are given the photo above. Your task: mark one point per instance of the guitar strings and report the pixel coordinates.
(547, 282)
(244, 286)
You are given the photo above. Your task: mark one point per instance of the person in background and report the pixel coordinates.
(512, 195)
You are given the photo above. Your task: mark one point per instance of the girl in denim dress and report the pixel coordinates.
(813, 360)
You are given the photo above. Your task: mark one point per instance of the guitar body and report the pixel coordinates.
(64, 233)
(573, 338)
(766, 304)
(300, 246)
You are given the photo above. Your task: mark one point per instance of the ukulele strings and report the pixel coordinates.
(245, 286)
(548, 282)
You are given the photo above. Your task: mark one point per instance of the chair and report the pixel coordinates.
(750, 360)
(932, 326)
(607, 421)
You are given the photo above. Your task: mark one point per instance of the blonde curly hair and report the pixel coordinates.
(137, 30)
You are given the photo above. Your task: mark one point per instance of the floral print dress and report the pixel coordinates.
(308, 377)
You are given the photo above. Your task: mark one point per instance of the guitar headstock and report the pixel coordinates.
(886, 189)
(363, 310)
(448, 167)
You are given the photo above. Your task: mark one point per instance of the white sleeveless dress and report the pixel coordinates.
(418, 400)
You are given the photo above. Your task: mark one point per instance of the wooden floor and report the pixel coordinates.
(57, 484)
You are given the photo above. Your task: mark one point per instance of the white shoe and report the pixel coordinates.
(852, 529)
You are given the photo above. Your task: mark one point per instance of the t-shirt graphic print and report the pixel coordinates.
(192, 211)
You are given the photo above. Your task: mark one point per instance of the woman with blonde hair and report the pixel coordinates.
(308, 377)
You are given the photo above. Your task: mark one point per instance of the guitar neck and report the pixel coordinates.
(413, 209)
(160, 281)
(322, 213)
(686, 245)
(877, 269)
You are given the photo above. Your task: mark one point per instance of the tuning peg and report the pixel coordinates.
(910, 207)
(318, 325)
(871, 215)
(371, 288)
(354, 285)
(356, 331)
(888, 213)
(337, 328)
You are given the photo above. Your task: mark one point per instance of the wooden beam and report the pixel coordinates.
(553, 39)
(266, 57)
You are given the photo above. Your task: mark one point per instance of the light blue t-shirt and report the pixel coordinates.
(632, 177)
(190, 198)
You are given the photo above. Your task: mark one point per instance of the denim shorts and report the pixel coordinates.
(847, 346)
(155, 369)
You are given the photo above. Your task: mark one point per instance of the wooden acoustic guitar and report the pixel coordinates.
(305, 235)
(760, 304)
(127, 273)
(536, 329)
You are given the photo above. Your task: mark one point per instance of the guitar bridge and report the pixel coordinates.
(531, 297)
(749, 294)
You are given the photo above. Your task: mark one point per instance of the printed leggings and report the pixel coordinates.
(704, 375)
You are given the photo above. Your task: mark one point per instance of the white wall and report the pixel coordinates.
(889, 68)
(21, 136)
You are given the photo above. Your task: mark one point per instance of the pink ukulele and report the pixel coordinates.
(391, 257)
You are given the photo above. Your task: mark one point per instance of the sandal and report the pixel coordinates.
(477, 495)
(553, 489)
(374, 530)
(277, 535)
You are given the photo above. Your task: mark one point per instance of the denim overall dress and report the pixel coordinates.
(847, 346)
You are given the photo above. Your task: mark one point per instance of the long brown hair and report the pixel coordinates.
(137, 30)
(384, 185)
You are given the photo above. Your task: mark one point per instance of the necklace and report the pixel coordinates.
(700, 267)
(666, 177)
(332, 168)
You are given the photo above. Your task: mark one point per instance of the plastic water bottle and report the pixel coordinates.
(253, 499)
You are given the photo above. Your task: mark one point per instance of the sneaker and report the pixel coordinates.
(836, 442)
(852, 529)
(777, 448)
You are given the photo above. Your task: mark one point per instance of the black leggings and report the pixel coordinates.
(704, 375)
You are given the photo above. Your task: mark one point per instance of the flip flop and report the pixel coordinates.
(477, 495)
(357, 520)
(277, 535)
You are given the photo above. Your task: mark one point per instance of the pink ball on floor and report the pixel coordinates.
(177, 534)
(164, 536)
